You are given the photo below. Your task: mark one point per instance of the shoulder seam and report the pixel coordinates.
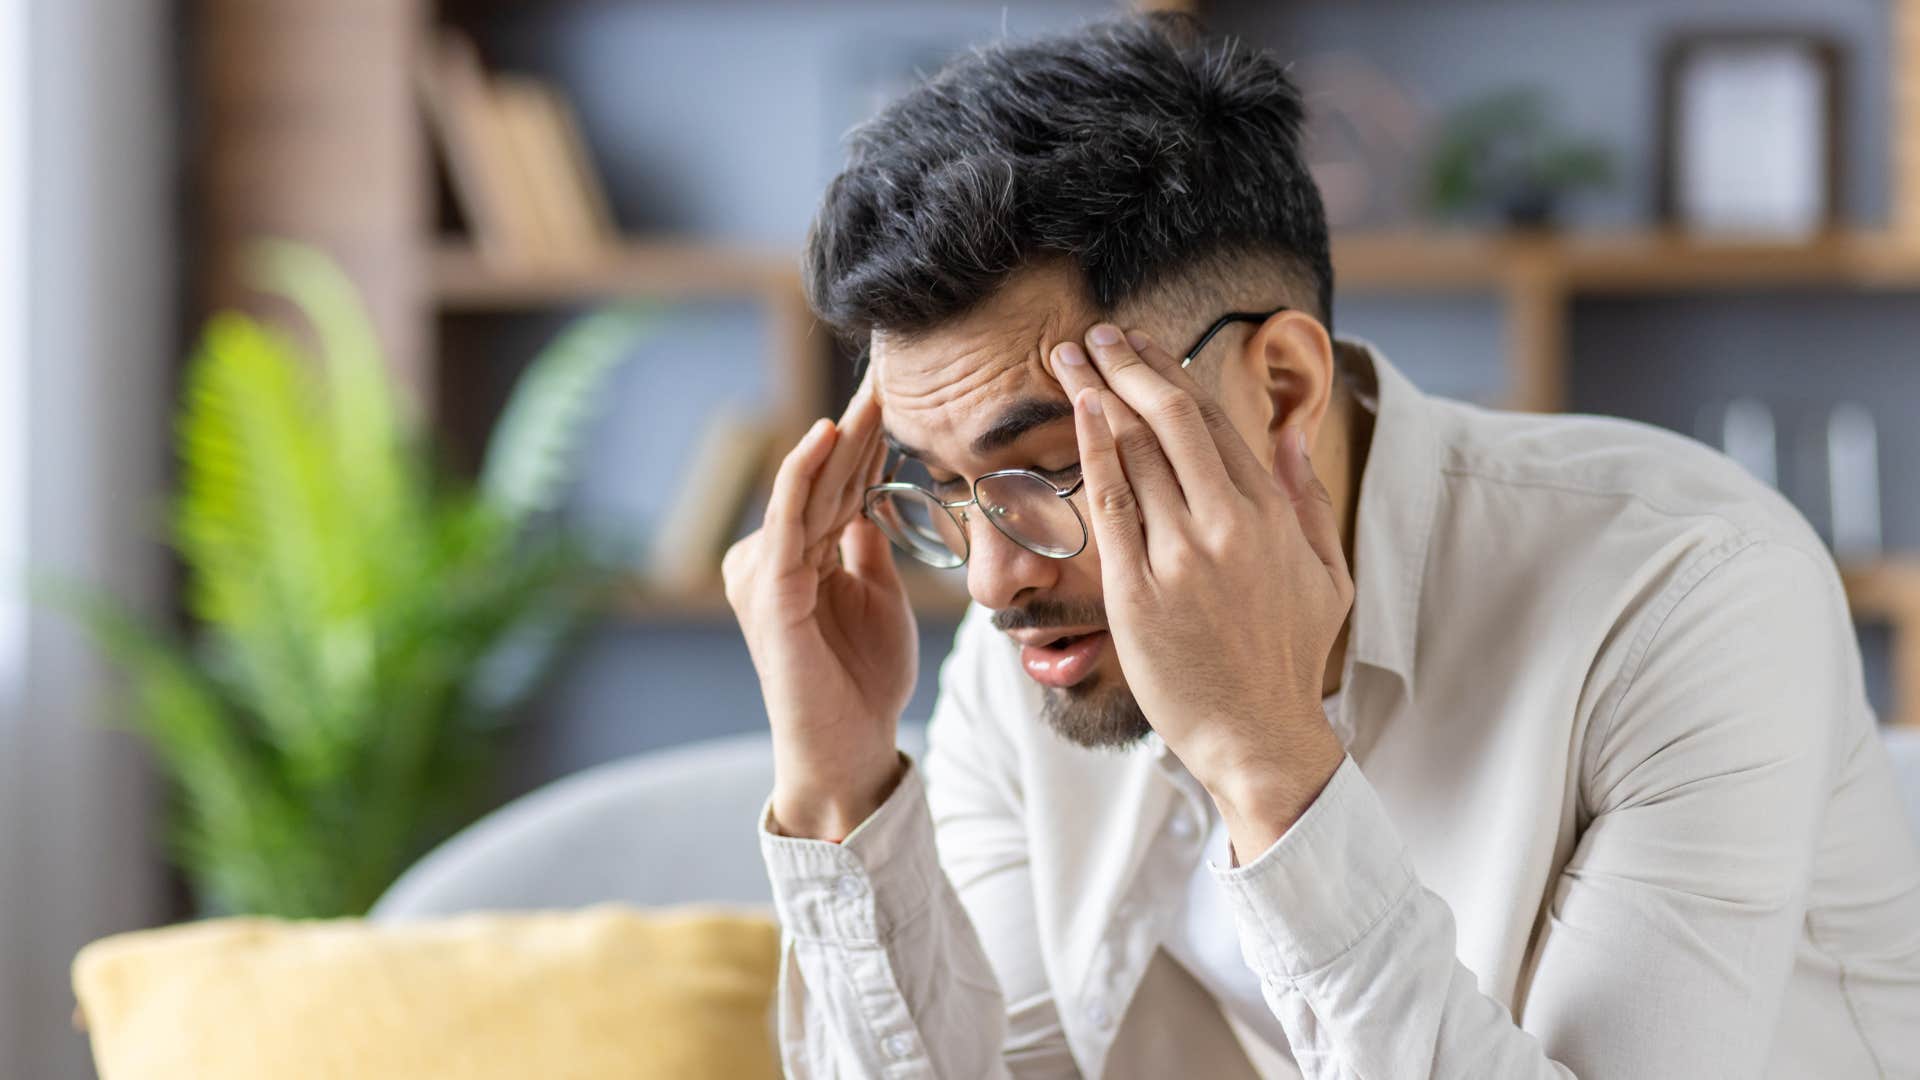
(1598, 492)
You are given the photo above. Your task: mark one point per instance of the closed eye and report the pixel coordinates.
(954, 489)
(950, 490)
(1063, 478)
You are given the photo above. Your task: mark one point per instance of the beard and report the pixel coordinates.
(1092, 714)
(1096, 716)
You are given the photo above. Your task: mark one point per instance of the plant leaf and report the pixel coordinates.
(530, 457)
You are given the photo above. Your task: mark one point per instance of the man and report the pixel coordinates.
(1572, 775)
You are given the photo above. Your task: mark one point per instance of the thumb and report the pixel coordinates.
(1312, 504)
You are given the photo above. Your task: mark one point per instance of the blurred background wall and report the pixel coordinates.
(89, 347)
(159, 138)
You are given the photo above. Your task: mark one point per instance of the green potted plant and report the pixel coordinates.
(363, 623)
(1501, 155)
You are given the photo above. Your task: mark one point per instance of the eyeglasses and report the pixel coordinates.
(1026, 507)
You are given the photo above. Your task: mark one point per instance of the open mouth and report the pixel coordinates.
(1064, 661)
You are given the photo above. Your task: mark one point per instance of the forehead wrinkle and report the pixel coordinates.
(936, 385)
(949, 378)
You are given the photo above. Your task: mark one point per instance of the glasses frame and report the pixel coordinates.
(957, 510)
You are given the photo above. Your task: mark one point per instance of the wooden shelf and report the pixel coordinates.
(932, 598)
(1642, 261)
(1657, 261)
(1537, 274)
(465, 279)
(1888, 591)
(462, 279)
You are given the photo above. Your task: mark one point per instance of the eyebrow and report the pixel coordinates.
(1019, 418)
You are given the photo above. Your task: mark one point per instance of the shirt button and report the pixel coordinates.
(1181, 827)
(1098, 1016)
(898, 1045)
(848, 886)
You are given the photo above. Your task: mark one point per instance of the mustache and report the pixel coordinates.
(1045, 614)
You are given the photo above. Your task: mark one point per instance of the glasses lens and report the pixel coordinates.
(1031, 514)
(917, 525)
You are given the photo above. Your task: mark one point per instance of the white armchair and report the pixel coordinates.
(671, 827)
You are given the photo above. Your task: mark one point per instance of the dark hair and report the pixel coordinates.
(1136, 148)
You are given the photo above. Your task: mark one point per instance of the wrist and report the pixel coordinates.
(830, 808)
(1260, 802)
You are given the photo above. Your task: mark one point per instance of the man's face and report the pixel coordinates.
(976, 396)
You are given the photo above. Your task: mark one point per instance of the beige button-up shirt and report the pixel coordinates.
(1613, 806)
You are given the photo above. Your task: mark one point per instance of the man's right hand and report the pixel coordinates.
(829, 628)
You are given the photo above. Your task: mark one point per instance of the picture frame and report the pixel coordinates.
(1751, 125)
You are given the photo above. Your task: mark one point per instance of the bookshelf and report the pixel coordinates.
(313, 128)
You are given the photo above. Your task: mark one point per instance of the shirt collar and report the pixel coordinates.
(1394, 522)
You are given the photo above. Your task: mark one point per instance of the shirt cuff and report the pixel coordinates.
(1324, 884)
(864, 888)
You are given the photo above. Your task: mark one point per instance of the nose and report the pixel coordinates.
(999, 570)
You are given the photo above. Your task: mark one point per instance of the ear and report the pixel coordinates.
(1295, 356)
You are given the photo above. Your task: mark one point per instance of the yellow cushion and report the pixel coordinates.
(604, 992)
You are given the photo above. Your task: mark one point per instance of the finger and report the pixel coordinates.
(1148, 472)
(877, 468)
(1110, 500)
(1312, 506)
(824, 543)
(859, 430)
(792, 484)
(1172, 413)
(866, 554)
(853, 491)
(1243, 466)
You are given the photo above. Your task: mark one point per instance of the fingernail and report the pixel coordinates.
(1090, 401)
(1070, 354)
(818, 431)
(1138, 340)
(1104, 334)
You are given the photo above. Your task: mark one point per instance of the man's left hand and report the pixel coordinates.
(1225, 582)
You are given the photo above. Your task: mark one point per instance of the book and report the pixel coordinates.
(516, 103)
(727, 464)
(518, 163)
(584, 177)
(461, 110)
(562, 192)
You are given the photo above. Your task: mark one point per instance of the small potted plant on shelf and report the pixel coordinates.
(364, 625)
(1501, 157)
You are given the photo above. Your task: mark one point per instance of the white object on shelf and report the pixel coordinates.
(1853, 481)
(1747, 436)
